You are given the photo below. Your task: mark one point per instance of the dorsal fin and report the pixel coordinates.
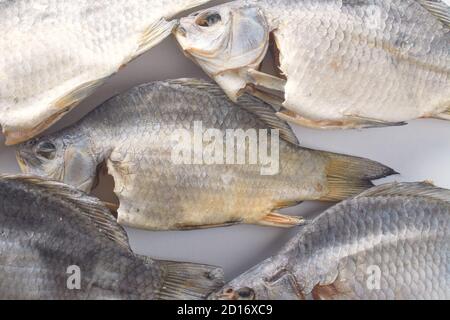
(439, 9)
(88, 206)
(263, 111)
(412, 189)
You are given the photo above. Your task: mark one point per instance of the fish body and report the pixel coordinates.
(342, 63)
(133, 134)
(391, 242)
(54, 53)
(57, 243)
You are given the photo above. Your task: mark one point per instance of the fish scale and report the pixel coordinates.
(54, 53)
(347, 64)
(403, 235)
(312, 85)
(46, 227)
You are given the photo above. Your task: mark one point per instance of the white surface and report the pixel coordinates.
(419, 151)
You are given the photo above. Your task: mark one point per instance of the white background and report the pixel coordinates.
(419, 151)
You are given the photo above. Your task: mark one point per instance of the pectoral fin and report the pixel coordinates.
(265, 80)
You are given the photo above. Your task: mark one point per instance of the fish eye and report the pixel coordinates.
(246, 293)
(46, 150)
(209, 19)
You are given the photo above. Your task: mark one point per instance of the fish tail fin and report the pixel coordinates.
(349, 176)
(190, 281)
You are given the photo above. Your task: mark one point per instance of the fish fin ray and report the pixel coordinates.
(266, 80)
(62, 105)
(348, 176)
(281, 221)
(444, 115)
(368, 123)
(263, 111)
(71, 99)
(415, 189)
(439, 9)
(275, 101)
(152, 36)
(88, 206)
(189, 281)
(14, 137)
(332, 291)
(349, 122)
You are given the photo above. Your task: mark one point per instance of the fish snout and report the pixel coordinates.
(21, 162)
(180, 31)
(25, 155)
(231, 294)
(227, 294)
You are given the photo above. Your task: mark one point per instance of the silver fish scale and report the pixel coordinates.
(41, 236)
(394, 50)
(406, 238)
(56, 52)
(133, 133)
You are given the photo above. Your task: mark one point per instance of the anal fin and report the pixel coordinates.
(349, 122)
(281, 221)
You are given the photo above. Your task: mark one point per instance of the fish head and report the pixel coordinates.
(230, 293)
(62, 158)
(270, 280)
(252, 285)
(226, 41)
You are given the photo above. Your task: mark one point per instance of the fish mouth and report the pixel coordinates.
(224, 295)
(180, 34)
(179, 30)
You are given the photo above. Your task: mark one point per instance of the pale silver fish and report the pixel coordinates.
(57, 243)
(136, 135)
(342, 63)
(391, 242)
(54, 53)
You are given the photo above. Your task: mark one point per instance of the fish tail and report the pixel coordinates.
(349, 176)
(189, 281)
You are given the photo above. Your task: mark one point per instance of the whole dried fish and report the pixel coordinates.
(343, 63)
(58, 243)
(391, 242)
(134, 133)
(54, 53)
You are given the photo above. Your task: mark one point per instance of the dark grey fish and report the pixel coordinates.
(391, 242)
(58, 243)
